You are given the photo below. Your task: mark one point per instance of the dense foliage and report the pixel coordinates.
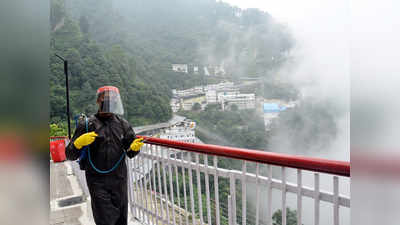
(92, 66)
(311, 126)
(240, 128)
(132, 44)
(291, 217)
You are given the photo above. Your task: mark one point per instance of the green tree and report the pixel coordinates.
(84, 24)
(291, 217)
(196, 106)
(57, 130)
(234, 107)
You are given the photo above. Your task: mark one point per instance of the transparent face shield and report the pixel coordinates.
(109, 101)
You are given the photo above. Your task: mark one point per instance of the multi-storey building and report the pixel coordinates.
(185, 132)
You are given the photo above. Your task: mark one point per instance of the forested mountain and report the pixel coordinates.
(132, 44)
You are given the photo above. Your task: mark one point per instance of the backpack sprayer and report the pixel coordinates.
(85, 152)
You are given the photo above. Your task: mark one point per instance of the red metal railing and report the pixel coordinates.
(300, 162)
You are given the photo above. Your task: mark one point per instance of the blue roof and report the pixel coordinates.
(273, 107)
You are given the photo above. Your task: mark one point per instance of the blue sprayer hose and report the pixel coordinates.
(86, 151)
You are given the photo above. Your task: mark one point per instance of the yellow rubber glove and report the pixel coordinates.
(85, 139)
(137, 144)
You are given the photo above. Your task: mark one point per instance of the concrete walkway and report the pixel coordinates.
(67, 204)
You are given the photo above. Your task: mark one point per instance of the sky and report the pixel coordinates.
(285, 10)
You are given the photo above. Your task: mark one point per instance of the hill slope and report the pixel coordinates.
(132, 44)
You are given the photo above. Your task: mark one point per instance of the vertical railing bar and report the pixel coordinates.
(335, 200)
(191, 189)
(244, 200)
(171, 186)
(135, 193)
(154, 182)
(216, 190)
(269, 194)
(140, 168)
(133, 182)
(184, 193)
(139, 187)
(233, 195)
(316, 198)
(230, 210)
(209, 222)
(145, 189)
(199, 189)
(131, 187)
(283, 195)
(177, 188)
(164, 167)
(159, 164)
(257, 194)
(148, 148)
(299, 196)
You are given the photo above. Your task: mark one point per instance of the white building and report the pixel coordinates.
(211, 97)
(180, 68)
(185, 133)
(271, 111)
(206, 71)
(175, 105)
(227, 94)
(219, 70)
(220, 86)
(187, 106)
(243, 101)
(195, 91)
(196, 69)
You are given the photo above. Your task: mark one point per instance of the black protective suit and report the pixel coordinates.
(108, 192)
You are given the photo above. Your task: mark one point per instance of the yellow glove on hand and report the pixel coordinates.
(85, 139)
(137, 144)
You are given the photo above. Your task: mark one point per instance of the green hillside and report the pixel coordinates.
(132, 44)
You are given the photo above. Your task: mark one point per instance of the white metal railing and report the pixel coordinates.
(160, 176)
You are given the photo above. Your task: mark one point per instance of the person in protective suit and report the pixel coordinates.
(109, 137)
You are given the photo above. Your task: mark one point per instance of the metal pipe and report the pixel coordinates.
(67, 93)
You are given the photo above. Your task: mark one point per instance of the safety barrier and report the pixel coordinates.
(162, 190)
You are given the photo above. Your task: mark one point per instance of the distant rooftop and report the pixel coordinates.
(273, 107)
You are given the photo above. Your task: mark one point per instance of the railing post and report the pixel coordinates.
(244, 200)
(335, 200)
(171, 186)
(216, 190)
(191, 188)
(199, 189)
(137, 187)
(316, 198)
(148, 148)
(130, 187)
(283, 196)
(154, 181)
(145, 189)
(257, 194)
(299, 196)
(209, 222)
(184, 193)
(177, 187)
(164, 168)
(230, 216)
(159, 163)
(269, 193)
(233, 195)
(141, 188)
